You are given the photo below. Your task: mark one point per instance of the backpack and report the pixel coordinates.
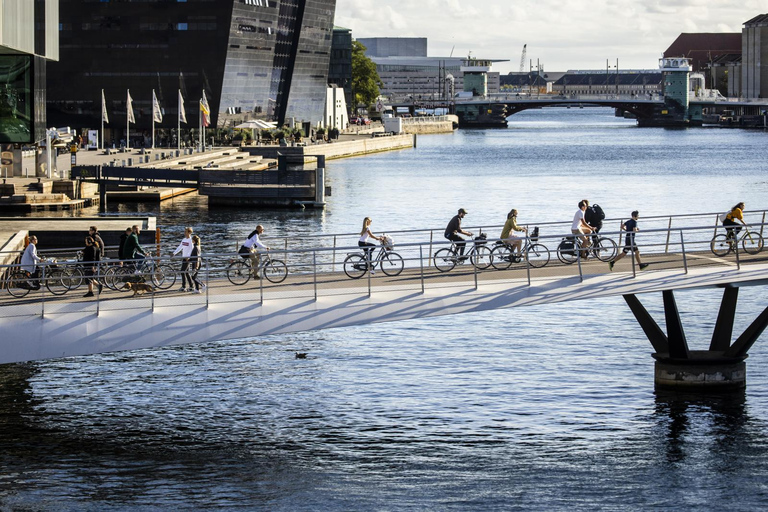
(594, 215)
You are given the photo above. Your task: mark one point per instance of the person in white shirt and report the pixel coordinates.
(363, 242)
(580, 227)
(252, 246)
(185, 248)
(29, 261)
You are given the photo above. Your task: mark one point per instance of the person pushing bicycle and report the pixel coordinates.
(453, 230)
(250, 249)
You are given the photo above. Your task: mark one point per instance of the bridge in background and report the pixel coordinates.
(318, 295)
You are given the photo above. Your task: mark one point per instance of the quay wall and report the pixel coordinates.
(427, 128)
(340, 148)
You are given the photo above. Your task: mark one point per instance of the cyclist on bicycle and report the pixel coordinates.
(250, 249)
(736, 213)
(363, 242)
(580, 227)
(508, 235)
(452, 231)
(29, 261)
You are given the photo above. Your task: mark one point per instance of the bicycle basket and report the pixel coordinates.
(535, 234)
(480, 239)
(387, 241)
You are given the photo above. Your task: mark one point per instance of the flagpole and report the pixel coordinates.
(128, 122)
(178, 124)
(101, 146)
(200, 121)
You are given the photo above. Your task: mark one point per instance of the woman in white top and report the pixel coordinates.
(251, 246)
(185, 248)
(365, 235)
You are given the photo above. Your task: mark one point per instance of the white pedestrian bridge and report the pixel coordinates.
(318, 294)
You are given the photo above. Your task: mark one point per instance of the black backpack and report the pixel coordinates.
(594, 215)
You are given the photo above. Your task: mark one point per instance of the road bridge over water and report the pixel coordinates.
(318, 295)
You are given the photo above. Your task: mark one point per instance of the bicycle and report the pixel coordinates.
(137, 272)
(240, 271)
(536, 254)
(19, 283)
(356, 264)
(480, 255)
(724, 243)
(603, 248)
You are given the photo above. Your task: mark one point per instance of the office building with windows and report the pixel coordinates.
(254, 59)
(28, 40)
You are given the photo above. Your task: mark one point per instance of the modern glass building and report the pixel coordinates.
(28, 39)
(255, 59)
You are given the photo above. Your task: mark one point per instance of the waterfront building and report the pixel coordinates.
(754, 57)
(641, 83)
(254, 59)
(340, 67)
(28, 40)
(408, 74)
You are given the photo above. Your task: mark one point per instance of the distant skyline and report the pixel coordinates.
(578, 34)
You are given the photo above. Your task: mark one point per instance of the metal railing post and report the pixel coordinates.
(429, 256)
(578, 258)
(762, 224)
(261, 286)
(207, 283)
(669, 232)
(717, 222)
(98, 282)
(153, 292)
(736, 249)
(528, 268)
(314, 273)
(634, 257)
(475, 269)
(41, 284)
(369, 266)
(333, 260)
(682, 245)
(421, 264)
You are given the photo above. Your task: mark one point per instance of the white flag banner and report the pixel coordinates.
(129, 108)
(104, 116)
(157, 114)
(182, 114)
(205, 111)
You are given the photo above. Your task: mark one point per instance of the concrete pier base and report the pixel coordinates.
(700, 374)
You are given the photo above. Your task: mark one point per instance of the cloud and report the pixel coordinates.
(562, 35)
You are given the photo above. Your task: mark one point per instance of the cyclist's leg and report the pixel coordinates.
(460, 244)
(368, 251)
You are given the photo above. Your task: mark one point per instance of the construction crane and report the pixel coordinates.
(522, 57)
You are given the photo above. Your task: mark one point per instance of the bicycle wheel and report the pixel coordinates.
(57, 281)
(537, 255)
(481, 257)
(606, 249)
(566, 252)
(355, 266)
(74, 277)
(157, 276)
(275, 271)
(169, 277)
(391, 263)
(720, 245)
(18, 284)
(752, 243)
(238, 272)
(445, 260)
(501, 257)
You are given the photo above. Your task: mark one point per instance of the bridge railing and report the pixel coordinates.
(60, 286)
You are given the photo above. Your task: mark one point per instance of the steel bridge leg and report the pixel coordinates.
(678, 346)
(655, 335)
(721, 338)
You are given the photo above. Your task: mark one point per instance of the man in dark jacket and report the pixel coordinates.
(123, 238)
(132, 249)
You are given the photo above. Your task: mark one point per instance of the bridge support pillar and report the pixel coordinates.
(102, 196)
(721, 368)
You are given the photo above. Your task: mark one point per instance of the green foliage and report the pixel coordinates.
(365, 79)
(266, 135)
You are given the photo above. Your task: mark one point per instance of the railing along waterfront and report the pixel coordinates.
(316, 272)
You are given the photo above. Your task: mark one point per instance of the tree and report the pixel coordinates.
(365, 79)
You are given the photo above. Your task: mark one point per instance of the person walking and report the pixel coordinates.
(120, 249)
(250, 249)
(629, 242)
(185, 248)
(195, 262)
(132, 249)
(93, 232)
(453, 230)
(91, 258)
(363, 242)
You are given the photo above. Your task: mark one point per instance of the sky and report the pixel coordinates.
(560, 34)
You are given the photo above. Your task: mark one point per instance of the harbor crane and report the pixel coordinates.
(522, 57)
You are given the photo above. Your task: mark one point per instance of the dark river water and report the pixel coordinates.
(537, 408)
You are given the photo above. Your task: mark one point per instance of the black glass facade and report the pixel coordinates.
(340, 69)
(255, 59)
